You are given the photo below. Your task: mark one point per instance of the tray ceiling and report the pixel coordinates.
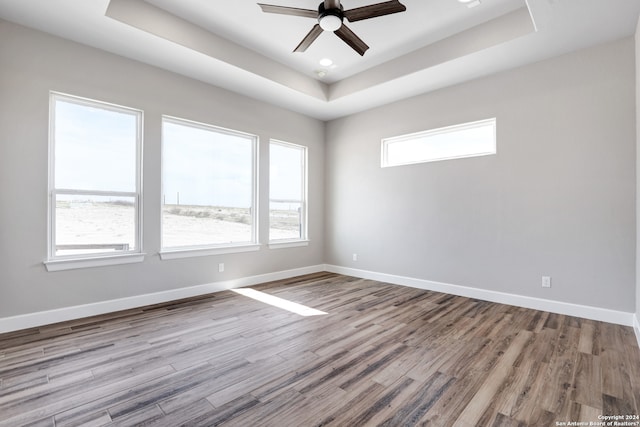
(235, 45)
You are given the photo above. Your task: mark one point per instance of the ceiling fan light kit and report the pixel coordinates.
(330, 19)
(330, 16)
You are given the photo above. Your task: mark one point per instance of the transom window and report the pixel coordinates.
(287, 191)
(94, 178)
(208, 184)
(452, 142)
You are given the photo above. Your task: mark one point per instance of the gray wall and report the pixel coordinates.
(33, 64)
(558, 199)
(637, 57)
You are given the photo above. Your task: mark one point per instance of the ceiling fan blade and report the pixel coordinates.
(374, 10)
(309, 38)
(350, 38)
(284, 10)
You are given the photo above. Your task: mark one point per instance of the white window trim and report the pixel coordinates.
(177, 252)
(304, 236)
(102, 261)
(384, 160)
(291, 243)
(190, 252)
(67, 262)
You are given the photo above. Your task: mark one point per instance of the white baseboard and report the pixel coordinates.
(584, 311)
(31, 320)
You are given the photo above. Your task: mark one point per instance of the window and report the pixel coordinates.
(208, 184)
(94, 181)
(452, 142)
(287, 191)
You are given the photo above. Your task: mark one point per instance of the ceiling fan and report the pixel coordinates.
(330, 16)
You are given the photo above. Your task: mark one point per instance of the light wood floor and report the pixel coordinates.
(383, 355)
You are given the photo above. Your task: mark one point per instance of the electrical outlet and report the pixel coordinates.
(546, 281)
(221, 267)
(355, 257)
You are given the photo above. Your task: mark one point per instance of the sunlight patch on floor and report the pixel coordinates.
(284, 304)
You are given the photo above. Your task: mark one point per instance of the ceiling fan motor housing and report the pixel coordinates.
(330, 19)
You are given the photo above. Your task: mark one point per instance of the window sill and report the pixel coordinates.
(288, 244)
(191, 252)
(77, 263)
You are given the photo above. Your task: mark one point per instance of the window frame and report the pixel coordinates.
(177, 252)
(303, 240)
(384, 158)
(65, 262)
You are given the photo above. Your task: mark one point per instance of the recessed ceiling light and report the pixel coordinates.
(321, 73)
(470, 3)
(326, 62)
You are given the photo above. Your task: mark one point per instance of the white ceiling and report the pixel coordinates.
(233, 44)
(388, 37)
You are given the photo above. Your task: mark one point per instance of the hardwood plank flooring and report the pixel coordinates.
(383, 355)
